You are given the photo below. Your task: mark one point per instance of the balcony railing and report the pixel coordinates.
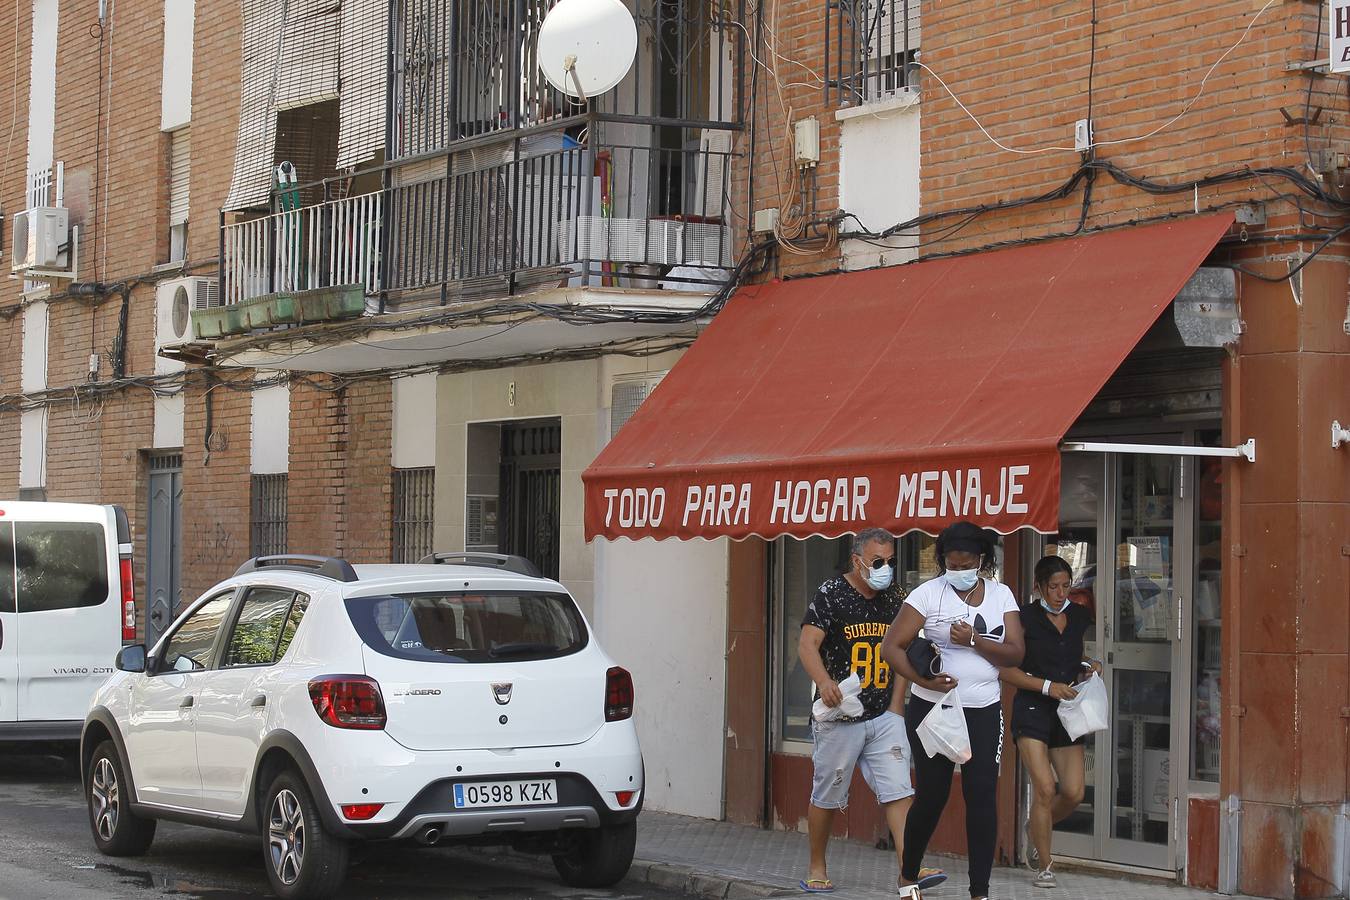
(328, 244)
(870, 49)
(611, 216)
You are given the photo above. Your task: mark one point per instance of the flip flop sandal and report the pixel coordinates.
(930, 878)
(816, 886)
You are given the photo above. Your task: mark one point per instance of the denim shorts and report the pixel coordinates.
(878, 746)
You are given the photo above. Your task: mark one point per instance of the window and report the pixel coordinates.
(7, 568)
(1206, 653)
(264, 620)
(414, 513)
(180, 177)
(190, 646)
(292, 624)
(268, 532)
(874, 45)
(802, 566)
(61, 565)
(468, 628)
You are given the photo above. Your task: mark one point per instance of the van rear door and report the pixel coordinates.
(68, 594)
(9, 625)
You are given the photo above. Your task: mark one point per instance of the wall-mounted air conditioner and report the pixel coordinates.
(41, 240)
(175, 301)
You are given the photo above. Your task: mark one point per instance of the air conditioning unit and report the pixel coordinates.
(175, 301)
(41, 235)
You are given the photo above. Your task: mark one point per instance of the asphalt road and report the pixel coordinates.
(46, 853)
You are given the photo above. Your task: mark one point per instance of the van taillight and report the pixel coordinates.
(128, 601)
(618, 695)
(348, 701)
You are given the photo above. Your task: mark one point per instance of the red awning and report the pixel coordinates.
(905, 398)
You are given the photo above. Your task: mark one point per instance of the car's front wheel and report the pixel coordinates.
(117, 830)
(304, 862)
(600, 858)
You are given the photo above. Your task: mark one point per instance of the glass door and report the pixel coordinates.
(1123, 532)
(1141, 640)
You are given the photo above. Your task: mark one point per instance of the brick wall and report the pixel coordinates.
(1022, 69)
(216, 481)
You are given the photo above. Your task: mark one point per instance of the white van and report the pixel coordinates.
(66, 608)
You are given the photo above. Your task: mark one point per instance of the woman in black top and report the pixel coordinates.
(1054, 661)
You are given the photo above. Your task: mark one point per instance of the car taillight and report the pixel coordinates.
(128, 601)
(618, 695)
(348, 701)
(624, 797)
(359, 812)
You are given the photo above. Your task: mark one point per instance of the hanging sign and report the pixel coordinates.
(1338, 23)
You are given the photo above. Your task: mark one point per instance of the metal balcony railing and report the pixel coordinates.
(332, 243)
(508, 218)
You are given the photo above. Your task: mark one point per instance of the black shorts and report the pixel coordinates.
(1037, 717)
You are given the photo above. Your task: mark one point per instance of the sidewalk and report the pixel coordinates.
(717, 859)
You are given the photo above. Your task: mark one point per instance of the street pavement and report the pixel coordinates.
(46, 853)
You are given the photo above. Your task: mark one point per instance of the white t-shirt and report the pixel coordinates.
(940, 606)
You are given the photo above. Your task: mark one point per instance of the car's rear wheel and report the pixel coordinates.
(117, 830)
(304, 862)
(600, 857)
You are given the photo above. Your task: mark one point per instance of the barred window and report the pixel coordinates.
(268, 521)
(414, 513)
(871, 48)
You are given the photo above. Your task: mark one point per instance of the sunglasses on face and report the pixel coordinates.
(879, 562)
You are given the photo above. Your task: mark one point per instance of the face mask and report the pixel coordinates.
(879, 579)
(1052, 609)
(962, 579)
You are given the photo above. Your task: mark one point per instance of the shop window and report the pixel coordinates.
(802, 566)
(414, 513)
(268, 520)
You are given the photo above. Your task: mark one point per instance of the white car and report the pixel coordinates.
(318, 704)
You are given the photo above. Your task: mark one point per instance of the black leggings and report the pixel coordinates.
(933, 783)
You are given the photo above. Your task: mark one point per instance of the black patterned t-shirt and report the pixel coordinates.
(854, 627)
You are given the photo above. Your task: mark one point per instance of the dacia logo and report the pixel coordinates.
(502, 693)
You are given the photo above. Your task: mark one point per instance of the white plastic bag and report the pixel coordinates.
(944, 730)
(1088, 711)
(850, 706)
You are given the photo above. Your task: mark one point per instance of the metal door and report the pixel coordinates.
(164, 540)
(531, 480)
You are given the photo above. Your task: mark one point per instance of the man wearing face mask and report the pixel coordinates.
(841, 636)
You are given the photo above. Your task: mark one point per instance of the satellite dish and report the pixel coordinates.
(586, 47)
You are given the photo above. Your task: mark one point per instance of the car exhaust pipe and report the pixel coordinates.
(430, 835)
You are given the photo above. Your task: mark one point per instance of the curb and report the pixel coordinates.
(701, 884)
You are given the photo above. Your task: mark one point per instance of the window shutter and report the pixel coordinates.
(180, 175)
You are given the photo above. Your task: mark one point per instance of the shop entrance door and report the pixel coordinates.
(1124, 531)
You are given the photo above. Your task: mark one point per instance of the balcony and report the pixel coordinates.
(510, 220)
(330, 244)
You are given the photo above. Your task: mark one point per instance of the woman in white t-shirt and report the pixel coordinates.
(975, 624)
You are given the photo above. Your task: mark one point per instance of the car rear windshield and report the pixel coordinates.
(469, 627)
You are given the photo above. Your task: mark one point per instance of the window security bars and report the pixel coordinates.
(870, 49)
(268, 520)
(414, 513)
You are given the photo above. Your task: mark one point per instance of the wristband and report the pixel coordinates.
(1045, 687)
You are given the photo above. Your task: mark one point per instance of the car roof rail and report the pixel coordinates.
(506, 562)
(326, 566)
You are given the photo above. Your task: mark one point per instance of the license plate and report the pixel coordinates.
(505, 793)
